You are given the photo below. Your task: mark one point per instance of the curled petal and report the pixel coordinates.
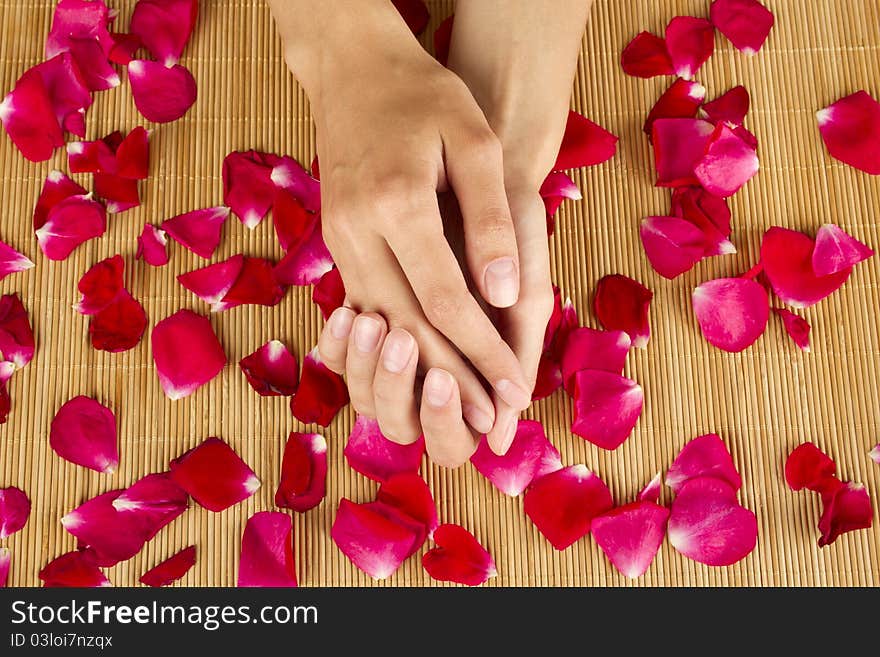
(673, 245)
(187, 353)
(622, 304)
(732, 312)
(631, 535)
(590, 349)
(709, 213)
(730, 108)
(321, 392)
(747, 23)
(83, 431)
(729, 163)
(329, 292)
(607, 407)
(373, 455)
(646, 56)
(849, 509)
(101, 285)
(153, 246)
(679, 145)
(680, 101)
(74, 569)
(161, 94)
(705, 456)
(458, 557)
(170, 570)
(71, 222)
(271, 370)
(267, 551)
(851, 131)
(690, 42)
(164, 27)
(199, 230)
(796, 326)
(836, 251)
(808, 467)
(119, 326)
(15, 508)
(16, 335)
(584, 144)
(303, 472)
(214, 475)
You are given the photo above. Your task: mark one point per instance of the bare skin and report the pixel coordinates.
(395, 129)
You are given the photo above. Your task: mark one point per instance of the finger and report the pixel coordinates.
(447, 439)
(333, 343)
(367, 334)
(393, 388)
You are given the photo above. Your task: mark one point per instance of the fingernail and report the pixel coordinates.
(366, 334)
(397, 351)
(509, 435)
(438, 388)
(502, 282)
(478, 418)
(340, 323)
(513, 394)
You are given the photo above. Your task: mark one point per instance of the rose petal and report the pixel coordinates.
(161, 94)
(458, 557)
(730, 108)
(153, 246)
(709, 213)
(16, 334)
(549, 377)
(93, 64)
(584, 144)
(5, 559)
(407, 493)
(622, 304)
(214, 475)
(29, 119)
(796, 326)
(56, 188)
(271, 370)
(589, 349)
(836, 251)
(875, 454)
(172, 569)
(631, 535)
(293, 223)
(256, 284)
(679, 145)
(289, 176)
(74, 569)
(123, 48)
(673, 245)
(729, 163)
(83, 431)
(69, 223)
(707, 523)
(562, 504)
(321, 392)
(119, 194)
(164, 26)
(247, 186)
(67, 90)
(155, 496)
(690, 42)
(306, 264)
(199, 230)
(732, 312)
(607, 407)
(212, 283)
(5, 401)
(329, 292)
(705, 456)
(91, 157)
(849, 509)
(11, 261)
(646, 56)
(568, 322)
(680, 101)
(442, 39)
(651, 492)
(415, 13)
(77, 19)
(15, 507)
(120, 326)
(851, 131)
(787, 256)
(187, 353)
(747, 23)
(100, 285)
(267, 551)
(808, 467)
(133, 155)
(375, 456)
(530, 456)
(303, 482)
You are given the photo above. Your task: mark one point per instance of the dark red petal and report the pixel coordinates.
(848, 510)
(170, 570)
(458, 557)
(729, 163)
(329, 292)
(123, 49)
(267, 551)
(584, 144)
(83, 431)
(851, 131)
(747, 23)
(247, 187)
(679, 145)
(606, 407)
(56, 188)
(161, 94)
(16, 334)
(321, 392)
(293, 223)
(709, 213)
(5, 401)
(705, 456)
(646, 56)
(690, 42)
(796, 326)
(442, 39)
(120, 194)
(622, 304)
(271, 370)
(153, 246)
(836, 251)
(408, 493)
(631, 535)
(807, 467)
(307, 263)
(562, 504)
(730, 108)
(133, 155)
(732, 312)
(164, 26)
(101, 285)
(415, 13)
(15, 508)
(91, 157)
(187, 353)
(530, 456)
(591, 349)
(119, 326)
(199, 230)
(568, 322)
(74, 569)
(214, 475)
(369, 452)
(71, 222)
(673, 245)
(256, 284)
(303, 482)
(680, 101)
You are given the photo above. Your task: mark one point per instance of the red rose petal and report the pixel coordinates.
(622, 304)
(212, 283)
(91, 157)
(267, 551)
(321, 392)
(329, 292)
(93, 64)
(153, 246)
(172, 569)
(631, 535)
(584, 144)
(851, 131)
(651, 492)
(707, 523)
(29, 118)
(71, 222)
(155, 496)
(293, 223)
(732, 312)
(787, 256)
(458, 557)
(408, 494)
(5, 559)
(56, 188)
(303, 482)
(747, 23)
(306, 264)
(679, 145)
(568, 322)
(607, 407)
(443, 39)
(74, 569)
(705, 456)
(214, 475)
(709, 213)
(256, 284)
(84, 432)
(730, 108)
(119, 326)
(247, 187)
(555, 189)
(729, 163)
(77, 19)
(16, 335)
(164, 26)
(415, 13)
(123, 48)
(187, 353)
(836, 251)
(646, 56)
(690, 42)
(549, 377)
(15, 507)
(271, 370)
(807, 467)
(849, 509)
(161, 94)
(119, 194)
(673, 245)
(67, 91)
(590, 349)
(101, 285)
(562, 504)
(375, 456)
(133, 155)
(796, 326)
(199, 230)
(530, 456)
(680, 101)
(5, 401)
(289, 176)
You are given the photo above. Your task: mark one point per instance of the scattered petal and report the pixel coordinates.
(849, 509)
(321, 392)
(84, 432)
(170, 570)
(56, 188)
(29, 118)
(808, 467)
(796, 326)
(67, 91)
(120, 194)
(161, 94)
(590, 349)
(256, 284)
(458, 557)
(584, 144)
(69, 223)
(651, 492)
(329, 292)
(375, 456)
(248, 189)
(164, 27)
(77, 19)
(690, 42)
(631, 535)
(673, 245)
(199, 230)
(836, 251)
(415, 13)
(15, 507)
(681, 101)
(155, 495)
(120, 326)
(271, 370)
(288, 175)
(74, 569)
(607, 407)
(101, 285)
(123, 48)
(705, 456)
(408, 494)
(732, 312)
(679, 145)
(133, 155)
(729, 163)
(709, 213)
(747, 23)
(306, 264)
(267, 551)
(153, 246)
(5, 559)
(11, 261)
(213, 282)
(851, 131)
(16, 335)
(549, 377)
(293, 223)
(303, 482)
(187, 353)
(646, 56)
(622, 304)
(214, 475)
(730, 108)
(875, 454)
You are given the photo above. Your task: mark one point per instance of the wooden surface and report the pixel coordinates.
(763, 402)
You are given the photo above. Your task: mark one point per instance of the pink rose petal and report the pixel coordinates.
(100, 285)
(875, 454)
(56, 188)
(646, 56)
(303, 482)
(306, 264)
(458, 557)
(607, 407)
(214, 475)
(271, 370)
(808, 467)
(705, 456)
(248, 189)
(120, 326)
(836, 251)
(680, 101)
(267, 551)
(631, 535)
(77, 19)
(67, 90)
(729, 163)
(93, 64)
(69, 223)
(529, 457)
(29, 118)
(673, 245)
(15, 508)
(186, 352)
(5, 559)
(199, 230)
(164, 26)
(849, 509)
(690, 42)
(729, 108)
(155, 496)
(16, 335)
(11, 261)
(732, 312)
(851, 131)
(153, 246)
(679, 145)
(171, 570)
(375, 456)
(161, 94)
(123, 48)
(329, 292)
(747, 23)
(289, 176)
(796, 326)
(84, 432)
(651, 492)
(709, 213)
(321, 392)
(74, 569)
(584, 144)
(622, 304)
(590, 349)
(213, 282)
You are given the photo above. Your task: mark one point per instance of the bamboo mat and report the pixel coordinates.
(762, 402)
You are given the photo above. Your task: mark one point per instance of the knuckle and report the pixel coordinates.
(486, 145)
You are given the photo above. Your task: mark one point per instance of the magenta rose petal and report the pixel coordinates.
(271, 370)
(214, 475)
(709, 213)
(100, 285)
(329, 292)
(679, 145)
(91, 157)
(288, 176)
(730, 108)
(77, 569)
(584, 144)
(732, 312)
(161, 94)
(83, 431)
(321, 392)
(153, 246)
(306, 264)
(729, 163)
(796, 326)
(690, 42)
(267, 551)
(213, 282)
(458, 557)
(622, 304)
(705, 456)
(836, 251)
(15, 508)
(186, 352)
(681, 101)
(851, 131)
(56, 188)
(164, 27)
(646, 56)
(303, 483)
(70, 223)
(11, 261)
(171, 569)
(407, 493)
(67, 90)
(746, 23)
(607, 407)
(849, 509)
(133, 155)
(651, 491)
(591, 349)
(248, 189)
(199, 230)
(673, 245)
(375, 456)
(5, 561)
(29, 118)
(154, 497)
(631, 535)
(16, 335)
